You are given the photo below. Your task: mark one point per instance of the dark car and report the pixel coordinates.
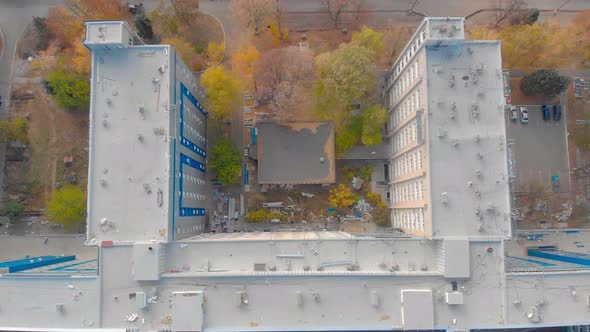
(557, 112)
(546, 112)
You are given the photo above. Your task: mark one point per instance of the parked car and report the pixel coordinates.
(513, 113)
(546, 112)
(524, 115)
(557, 112)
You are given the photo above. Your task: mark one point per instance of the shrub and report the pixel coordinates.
(12, 209)
(341, 196)
(375, 199)
(366, 172)
(13, 130)
(262, 215)
(381, 216)
(67, 206)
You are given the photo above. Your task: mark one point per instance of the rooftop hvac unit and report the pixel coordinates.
(108, 35)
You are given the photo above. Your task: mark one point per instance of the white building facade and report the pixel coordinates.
(461, 272)
(446, 134)
(148, 141)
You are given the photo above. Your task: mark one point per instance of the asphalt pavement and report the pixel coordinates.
(539, 150)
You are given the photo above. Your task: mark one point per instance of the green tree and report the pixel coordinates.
(67, 206)
(369, 38)
(225, 161)
(545, 81)
(375, 199)
(70, 91)
(223, 91)
(12, 209)
(327, 104)
(374, 118)
(349, 70)
(144, 27)
(531, 17)
(43, 36)
(349, 136)
(15, 130)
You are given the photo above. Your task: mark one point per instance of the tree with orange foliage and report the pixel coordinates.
(65, 26)
(99, 9)
(67, 23)
(81, 59)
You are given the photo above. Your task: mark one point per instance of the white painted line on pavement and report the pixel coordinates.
(3, 46)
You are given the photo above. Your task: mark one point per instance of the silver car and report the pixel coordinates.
(524, 115)
(513, 113)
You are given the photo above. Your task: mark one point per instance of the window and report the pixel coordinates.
(421, 189)
(419, 159)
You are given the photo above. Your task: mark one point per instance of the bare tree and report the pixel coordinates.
(337, 8)
(284, 76)
(253, 14)
(509, 9)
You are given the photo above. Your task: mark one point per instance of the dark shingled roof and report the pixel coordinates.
(298, 152)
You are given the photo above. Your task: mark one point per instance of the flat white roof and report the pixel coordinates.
(466, 136)
(129, 145)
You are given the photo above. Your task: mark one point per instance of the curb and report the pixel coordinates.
(224, 45)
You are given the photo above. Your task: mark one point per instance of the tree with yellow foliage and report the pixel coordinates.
(244, 61)
(223, 91)
(538, 45)
(183, 48)
(278, 34)
(368, 38)
(580, 35)
(215, 52)
(341, 196)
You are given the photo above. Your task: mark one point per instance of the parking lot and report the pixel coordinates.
(538, 150)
